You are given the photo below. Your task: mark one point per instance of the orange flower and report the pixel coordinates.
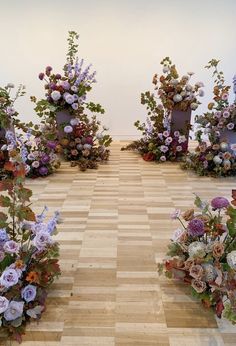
(210, 105)
(19, 264)
(32, 277)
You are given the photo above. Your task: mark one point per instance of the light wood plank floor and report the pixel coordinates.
(115, 229)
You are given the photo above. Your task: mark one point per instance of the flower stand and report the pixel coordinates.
(180, 121)
(62, 118)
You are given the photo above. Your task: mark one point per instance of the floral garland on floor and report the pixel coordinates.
(217, 157)
(159, 142)
(68, 92)
(202, 254)
(29, 255)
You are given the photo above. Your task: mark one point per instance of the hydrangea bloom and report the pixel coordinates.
(219, 203)
(196, 227)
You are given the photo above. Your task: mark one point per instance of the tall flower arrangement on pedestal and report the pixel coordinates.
(165, 137)
(202, 254)
(217, 156)
(66, 100)
(28, 253)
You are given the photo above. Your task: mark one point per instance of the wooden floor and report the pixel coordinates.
(115, 229)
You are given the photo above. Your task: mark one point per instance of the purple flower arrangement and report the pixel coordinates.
(85, 143)
(217, 156)
(28, 252)
(202, 254)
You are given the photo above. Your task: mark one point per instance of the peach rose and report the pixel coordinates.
(196, 271)
(218, 249)
(198, 285)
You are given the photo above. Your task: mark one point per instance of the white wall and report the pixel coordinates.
(125, 41)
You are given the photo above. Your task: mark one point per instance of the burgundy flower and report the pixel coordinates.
(219, 203)
(196, 227)
(41, 76)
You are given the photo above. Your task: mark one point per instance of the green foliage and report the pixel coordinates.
(72, 46)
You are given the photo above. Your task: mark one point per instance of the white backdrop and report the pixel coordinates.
(124, 40)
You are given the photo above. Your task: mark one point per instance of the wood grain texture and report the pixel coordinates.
(115, 229)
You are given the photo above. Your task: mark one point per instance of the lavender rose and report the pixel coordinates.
(3, 235)
(14, 310)
(9, 278)
(28, 293)
(42, 239)
(11, 247)
(4, 302)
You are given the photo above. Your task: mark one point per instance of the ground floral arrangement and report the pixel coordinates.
(28, 253)
(80, 137)
(202, 254)
(217, 156)
(159, 142)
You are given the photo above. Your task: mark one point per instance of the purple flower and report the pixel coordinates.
(28, 293)
(230, 126)
(219, 203)
(41, 76)
(14, 310)
(55, 95)
(58, 76)
(11, 247)
(176, 133)
(164, 148)
(68, 129)
(35, 164)
(179, 148)
(168, 140)
(166, 133)
(175, 214)
(9, 278)
(43, 170)
(45, 158)
(196, 227)
(69, 99)
(75, 106)
(226, 114)
(51, 145)
(3, 235)
(65, 85)
(4, 302)
(42, 239)
(49, 68)
(163, 158)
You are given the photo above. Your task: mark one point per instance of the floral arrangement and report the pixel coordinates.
(212, 159)
(39, 156)
(158, 142)
(218, 156)
(8, 114)
(176, 92)
(82, 143)
(202, 254)
(29, 255)
(67, 92)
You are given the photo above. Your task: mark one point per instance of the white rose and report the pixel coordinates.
(177, 98)
(55, 95)
(231, 259)
(193, 106)
(99, 135)
(224, 146)
(69, 99)
(189, 87)
(166, 69)
(217, 160)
